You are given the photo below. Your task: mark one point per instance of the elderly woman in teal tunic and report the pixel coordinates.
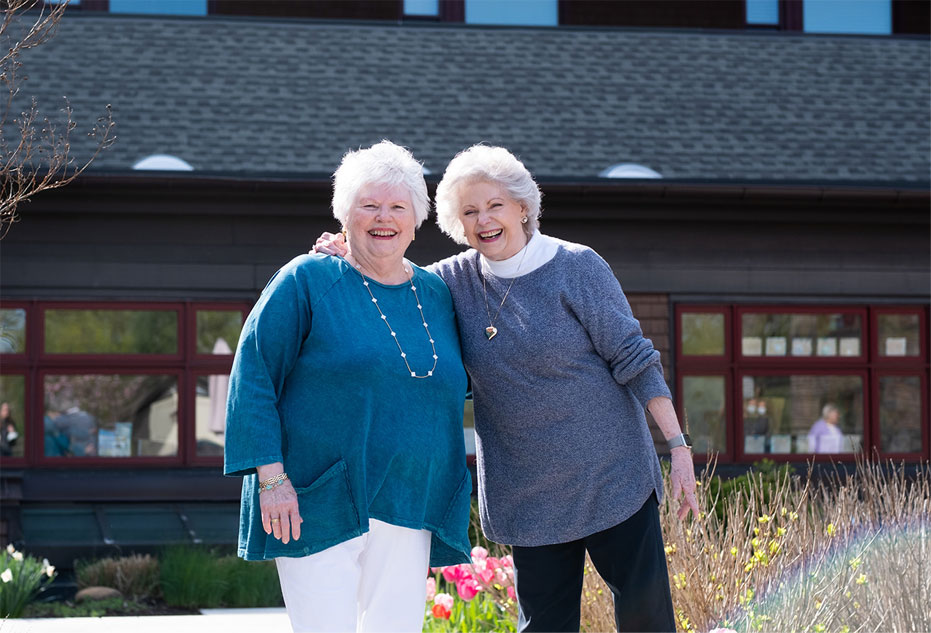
(354, 502)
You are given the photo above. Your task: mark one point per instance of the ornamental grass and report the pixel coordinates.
(788, 554)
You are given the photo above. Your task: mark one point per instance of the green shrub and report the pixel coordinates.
(21, 579)
(135, 576)
(250, 584)
(722, 492)
(191, 579)
(203, 578)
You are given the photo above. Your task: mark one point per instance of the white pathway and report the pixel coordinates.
(212, 621)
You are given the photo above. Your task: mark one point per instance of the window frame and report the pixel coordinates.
(96, 461)
(727, 454)
(743, 456)
(792, 361)
(733, 366)
(877, 401)
(899, 361)
(119, 360)
(186, 365)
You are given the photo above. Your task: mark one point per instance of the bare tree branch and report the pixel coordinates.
(38, 156)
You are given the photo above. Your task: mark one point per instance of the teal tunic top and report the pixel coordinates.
(318, 383)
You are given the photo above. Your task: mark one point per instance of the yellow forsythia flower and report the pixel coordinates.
(855, 562)
(862, 579)
(830, 529)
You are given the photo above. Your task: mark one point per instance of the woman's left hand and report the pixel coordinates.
(682, 476)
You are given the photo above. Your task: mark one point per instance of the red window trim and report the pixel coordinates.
(900, 361)
(113, 359)
(727, 455)
(34, 364)
(875, 421)
(743, 456)
(733, 365)
(38, 421)
(788, 359)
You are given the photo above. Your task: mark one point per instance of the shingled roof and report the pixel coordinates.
(286, 98)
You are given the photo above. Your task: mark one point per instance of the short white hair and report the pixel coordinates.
(485, 163)
(384, 163)
(828, 408)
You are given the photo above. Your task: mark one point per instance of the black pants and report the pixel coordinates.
(630, 559)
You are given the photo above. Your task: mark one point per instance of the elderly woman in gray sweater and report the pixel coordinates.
(561, 374)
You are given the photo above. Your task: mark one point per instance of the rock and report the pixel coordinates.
(96, 593)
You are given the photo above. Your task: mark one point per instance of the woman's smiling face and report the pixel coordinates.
(491, 220)
(381, 223)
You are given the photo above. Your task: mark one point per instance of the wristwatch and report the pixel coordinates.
(682, 439)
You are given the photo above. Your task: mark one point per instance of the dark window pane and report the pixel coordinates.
(702, 334)
(800, 335)
(12, 415)
(12, 331)
(210, 414)
(900, 414)
(898, 334)
(218, 331)
(111, 332)
(704, 406)
(111, 415)
(802, 414)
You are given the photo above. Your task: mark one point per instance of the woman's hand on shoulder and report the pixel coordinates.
(330, 244)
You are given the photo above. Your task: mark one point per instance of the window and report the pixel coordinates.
(802, 381)
(512, 12)
(113, 382)
(162, 7)
(868, 17)
(763, 12)
(422, 8)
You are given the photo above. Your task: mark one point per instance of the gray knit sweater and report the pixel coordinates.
(562, 445)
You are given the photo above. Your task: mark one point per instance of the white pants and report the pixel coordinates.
(376, 582)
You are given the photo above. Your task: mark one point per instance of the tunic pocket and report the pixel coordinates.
(328, 508)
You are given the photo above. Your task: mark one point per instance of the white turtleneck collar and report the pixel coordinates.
(538, 250)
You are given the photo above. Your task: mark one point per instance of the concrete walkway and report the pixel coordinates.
(212, 621)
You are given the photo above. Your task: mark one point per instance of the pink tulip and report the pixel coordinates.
(431, 588)
(468, 589)
(481, 571)
(507, 561)
(511, 593)
(502, 576)
(444, 600)
(492, 562)
(454, 573)
(479, 553)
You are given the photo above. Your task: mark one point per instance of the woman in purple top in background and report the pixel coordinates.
(825, 436)
(561, 375)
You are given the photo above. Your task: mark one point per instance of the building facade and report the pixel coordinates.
(762, 196)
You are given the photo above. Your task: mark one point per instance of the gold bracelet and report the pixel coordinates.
(272, 482)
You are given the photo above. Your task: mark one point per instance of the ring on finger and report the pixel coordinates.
(275, 520)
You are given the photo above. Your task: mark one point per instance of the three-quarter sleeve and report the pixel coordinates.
(269, 346)
(600, 305)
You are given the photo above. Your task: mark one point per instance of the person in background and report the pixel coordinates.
(825, 435)
(8, 433)
(561, 375)
(344, 415)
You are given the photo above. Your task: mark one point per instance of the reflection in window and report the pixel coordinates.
(218, 331)
(802, 414)
(210, 413)
(900, 414)
(12, 331)
(12, 416)
(110, 415)
(702, 334)
(703, 398)
(801, 335)
(898, 334)
(111, 331)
